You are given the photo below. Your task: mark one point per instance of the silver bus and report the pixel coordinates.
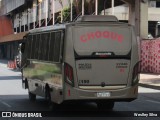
(93, 59)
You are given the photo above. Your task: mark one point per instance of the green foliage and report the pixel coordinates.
(66, 15)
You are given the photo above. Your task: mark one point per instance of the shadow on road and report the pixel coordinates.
(22, 103)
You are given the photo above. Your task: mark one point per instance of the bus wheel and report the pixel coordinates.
(105, 105)
(48, 94)
(32, 97)
(52, 106)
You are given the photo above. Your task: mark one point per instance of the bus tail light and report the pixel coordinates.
(68, 72)
(135, 74)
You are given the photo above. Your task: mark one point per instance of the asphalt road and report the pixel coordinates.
(14, 98)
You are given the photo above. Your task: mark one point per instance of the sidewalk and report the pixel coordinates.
(150, 81)
(146, 80)
(3, 63)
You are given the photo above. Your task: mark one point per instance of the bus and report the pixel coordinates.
(93, 59)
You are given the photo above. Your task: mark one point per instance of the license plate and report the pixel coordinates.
(103, 94)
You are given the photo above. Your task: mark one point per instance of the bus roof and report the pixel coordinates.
(97, 18)
(48, 28)
(82, 20)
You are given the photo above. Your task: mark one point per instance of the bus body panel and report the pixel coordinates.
(123, 94)
(40, 74)
(117, 74)
(105, 72)
(46, 72)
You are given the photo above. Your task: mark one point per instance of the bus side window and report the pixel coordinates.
(36, 46)
(45, 37)
(33, 47)
(40, 55)
(57, 46)
(47, 44)
(51, 46)
(29, 44)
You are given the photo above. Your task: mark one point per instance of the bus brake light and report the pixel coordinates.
(68, 71)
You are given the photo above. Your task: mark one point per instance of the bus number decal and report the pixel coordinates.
(83, 81)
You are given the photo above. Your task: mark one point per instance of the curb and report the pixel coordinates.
(149, 86)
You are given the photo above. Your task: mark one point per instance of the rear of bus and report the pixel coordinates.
(100, 61)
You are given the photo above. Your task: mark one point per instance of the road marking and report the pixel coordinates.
(6, 104)
(153, 101)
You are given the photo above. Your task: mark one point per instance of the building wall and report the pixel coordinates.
(153, 14)
(24, 14)
(9, 5)
(122, 12)
(5, 26)
(37, 12)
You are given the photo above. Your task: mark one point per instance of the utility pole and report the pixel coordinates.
(82, 7)
(53, 11)
(96, 7)
(112, 7)
(71, 11)
(46, 13)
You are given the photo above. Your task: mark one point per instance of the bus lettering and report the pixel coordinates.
(83, 38)
(90, 36)
(105, 34)
(101, 34)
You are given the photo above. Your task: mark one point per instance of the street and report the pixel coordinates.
(14, 98)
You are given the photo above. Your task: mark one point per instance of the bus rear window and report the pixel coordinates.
(116, 39)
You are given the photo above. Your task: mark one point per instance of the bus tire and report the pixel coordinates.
(52, 105)
(47, 94)
(26, 84)
(32, 97)
(105, 105)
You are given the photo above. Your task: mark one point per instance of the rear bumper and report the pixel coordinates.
(125, 94)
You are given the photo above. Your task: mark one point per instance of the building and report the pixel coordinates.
(122, 12)
(31, 14)
(23, 16)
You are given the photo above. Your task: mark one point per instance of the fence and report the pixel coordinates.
(150, 56)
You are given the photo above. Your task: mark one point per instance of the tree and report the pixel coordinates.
(89, 6)
(77, 4)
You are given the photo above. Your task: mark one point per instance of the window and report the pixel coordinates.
(51, 46)
(57, 47)
(40, 49)
(33, 49)
(44, 46)
(45, 41)
(152, 4)
(29, 44)
(54, 47)
(37, 45)
(158, 4)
